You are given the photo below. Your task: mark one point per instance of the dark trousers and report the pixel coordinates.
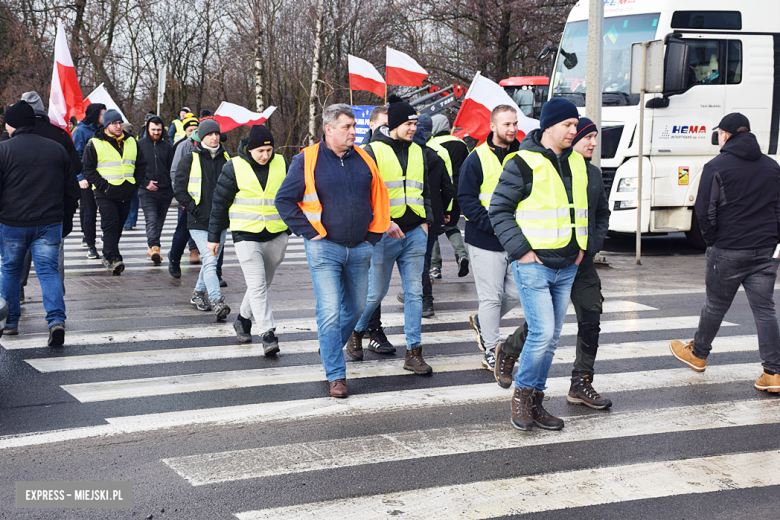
(132, 215)
(155, 205)
(756, 271)
(587, 300)
(181, 237)
(113, 214)
(88, 215)
(427, 286)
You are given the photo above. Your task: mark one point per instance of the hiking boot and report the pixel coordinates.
(57, 335)
(221, 309)
(270, 343)
(194, 257)
(92, 253)
(489, 359)
(338, 388)
(200, 301)
(378, 343)
(415, 362)
(10, 331)
(154, 254)
(684, 352)
(582, 392)
(504, 366)
(768, 382)
(427, 310)
(117, 266)
(222, 283)
(435, 273)
(355, 345)
(522, 409)
(243, 328)
(174, 269)
(543, 418)
(463, 266)
(474, 322)
(21, 296)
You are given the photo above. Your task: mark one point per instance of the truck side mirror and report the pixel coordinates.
(676, 67)
(715, 138)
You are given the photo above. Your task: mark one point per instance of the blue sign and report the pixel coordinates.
(362, 115)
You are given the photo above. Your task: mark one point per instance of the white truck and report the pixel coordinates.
(721, 56)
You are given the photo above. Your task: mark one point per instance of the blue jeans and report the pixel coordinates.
(340, 278)
(44, 243)
(544, 293)
(132, 217)
(207, 279)
(409, 254)
(181, 237)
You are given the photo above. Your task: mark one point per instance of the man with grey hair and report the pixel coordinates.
(340, 220)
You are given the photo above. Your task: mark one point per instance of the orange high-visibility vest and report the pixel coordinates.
(312, 207)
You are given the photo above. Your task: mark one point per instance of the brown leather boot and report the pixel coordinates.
(542, 418)
(415, 362)
(504, 366)
(338, 388)
(154, 254)
(522, 409)
(581, 391)
(355, 345)
(194, 257)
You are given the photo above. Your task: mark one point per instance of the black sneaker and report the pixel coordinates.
(84, 242)
(222, 283)
(435, 273)
(92, 253)
(10, 331)
(378, 342)
(427, 310)
(270, 343)
(474, 322)
(57, 335)
(463, 266)
(221, 309)
(243, 328)
(174, 269)
(21, 296)
(200, 301)
(117, 266)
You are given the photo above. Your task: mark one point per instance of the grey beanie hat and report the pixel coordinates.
(206, 127)
(34, 100)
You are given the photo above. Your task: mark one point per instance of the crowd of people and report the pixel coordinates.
(536, 215)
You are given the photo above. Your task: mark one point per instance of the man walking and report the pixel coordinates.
(403, 169)
(181, 236)
(157, 194)
(495, 283)
(93, 119)
(196, 180)
(585, 292)
(114, 167)
(34, 219)
(539, 211)
(244, 201)
(340, 218)
(738, 207)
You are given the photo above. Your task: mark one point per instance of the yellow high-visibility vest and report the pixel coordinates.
(404, 190)
(253, 208)
(112, 166)
(491, 171)
(196, 177)
(179, 124)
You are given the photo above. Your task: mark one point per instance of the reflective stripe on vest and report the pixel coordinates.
(115, 168)
(196, 177)
(253, 208)
(445, 156)
(545, 217)
(491, 171)
(404, 190)
(180, 132)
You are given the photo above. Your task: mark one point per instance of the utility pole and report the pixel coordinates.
(594, 76)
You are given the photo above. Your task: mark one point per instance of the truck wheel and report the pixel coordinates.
(694, 235)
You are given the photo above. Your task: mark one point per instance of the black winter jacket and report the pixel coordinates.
(738, 203)
(37, 183)
(211, 167)
(598, 212)
(124, 191)
(514, 185)
(226, 191)
(479, 230)
(158, 156)
(410, 219)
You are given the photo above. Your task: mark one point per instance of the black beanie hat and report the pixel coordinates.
(399, 112)
(259, 136)
(584, 127)
(20, 114)
(556, 110)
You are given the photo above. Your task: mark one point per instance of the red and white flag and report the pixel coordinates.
(230, 116)
(364, 76)
(101, 95)
(65, 99)
(403, 70)
(474, 115)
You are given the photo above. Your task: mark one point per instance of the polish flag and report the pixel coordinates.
(65, 99)
(230, 116)
(101, 95)
(401, 69)
(363, 76)
(474, 115)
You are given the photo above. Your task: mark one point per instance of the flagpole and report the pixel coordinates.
(385, 93)
(350, 97)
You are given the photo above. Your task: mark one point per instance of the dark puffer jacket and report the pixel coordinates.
(211, 167)
(124, 191)
(598, 212)
(514, 186)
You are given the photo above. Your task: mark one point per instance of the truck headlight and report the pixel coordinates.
(626, 204)
(628, 184)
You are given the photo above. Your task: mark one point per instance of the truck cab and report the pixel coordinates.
(720, 58)
(528, 92)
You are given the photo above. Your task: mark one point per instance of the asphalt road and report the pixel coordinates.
(151, 391)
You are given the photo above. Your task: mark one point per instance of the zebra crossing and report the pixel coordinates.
(190, 374)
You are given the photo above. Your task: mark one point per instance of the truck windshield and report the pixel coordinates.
(619, 33)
